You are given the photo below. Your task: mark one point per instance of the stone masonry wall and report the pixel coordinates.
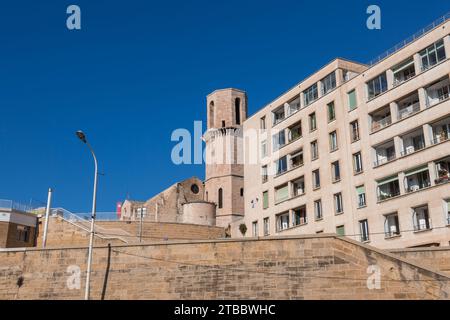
(319, 267)
(436, 258)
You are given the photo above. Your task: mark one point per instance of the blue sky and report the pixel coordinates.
(140, 69)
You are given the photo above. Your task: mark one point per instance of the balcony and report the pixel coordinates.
(278, 115)
(440, 131)
(381, 119)
(296, 159)
(404, 71)
(438, 92)
(417, 179)
(421, 219)
(298, 187)
(388, 188)
(408, 106)
(299, 216)
(294, 132)
(384, 153)
(442, 171)
(413, 142)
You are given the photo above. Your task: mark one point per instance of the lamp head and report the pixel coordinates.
(80, 134)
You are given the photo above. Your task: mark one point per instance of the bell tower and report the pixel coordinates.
(224, 179)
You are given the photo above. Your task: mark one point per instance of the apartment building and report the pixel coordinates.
(359, 150)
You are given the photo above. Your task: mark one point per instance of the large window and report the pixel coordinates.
(281, 193)
(361, 195)
(388, 188)
(331, 111)
(265, 199)
(338, 205)
(266, 223)
(333, 141)
(377, 86)
(421, 218)
(432, 55)
(335, 171)
(404, 71)
(318, 209)
(357, 162)
(364, 230)
(298, 186)
(281, 165)
(391, 225)
(296, 159)
(310, 94)
(316, 179)
(282, 221)
(278, 115)
(312, 122)
(328, 83)
(354, 131)
(299, 216)
(352, 104)
(295, 131)
(255, 228)
(314, 150)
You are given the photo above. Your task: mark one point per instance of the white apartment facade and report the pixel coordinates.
(362, 151)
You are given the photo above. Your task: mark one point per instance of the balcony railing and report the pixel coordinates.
(381, 161)
(422, 224)
(413, 149)
(442, 179)
(10, 205)
(380, 124)
(398, 81)
(408, 111)
(444, 136)
(417, 187)
(390, 234)
(441, 97)
(386, 196)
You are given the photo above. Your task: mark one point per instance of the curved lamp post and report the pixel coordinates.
(82, 137)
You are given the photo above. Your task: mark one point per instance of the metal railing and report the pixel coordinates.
(380, 124)
(410, 39)
(444, 136)
(390, 234)
(386, 196)
(381, 161)
(10, 205)
(410, 110)
(412, 149)
(422, 224)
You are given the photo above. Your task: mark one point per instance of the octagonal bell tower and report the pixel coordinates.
(224, 179)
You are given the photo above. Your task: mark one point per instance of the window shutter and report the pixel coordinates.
(352, 99)
(265, 200)
(282, 194)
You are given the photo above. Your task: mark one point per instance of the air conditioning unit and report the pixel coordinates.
(393, 229)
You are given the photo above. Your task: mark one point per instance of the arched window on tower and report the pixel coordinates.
(220, 204)
(237, 110)
(211, 114)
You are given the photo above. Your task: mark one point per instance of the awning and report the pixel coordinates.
(417, 170)
(387, 180)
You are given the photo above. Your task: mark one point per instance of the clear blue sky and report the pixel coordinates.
(140, 69)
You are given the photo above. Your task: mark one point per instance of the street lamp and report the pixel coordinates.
(82, 137)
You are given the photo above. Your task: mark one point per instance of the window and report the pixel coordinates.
(298, 187)
(262, 123)
(421, 218)
(361, 195)
(264, 149)
(266, 226)
(335, 171)
(237, 110)
(220, 198)
(357, 162)
(352, 104)
(292, 106)
(281, 193)
(364, 230)
(404, 71)
(354, 131)
(310, 94)
(340, 231)
(318, 209)
(447, 211)
(265, 199)
(296, 159)
(333, 141)
(255, 228)
(241, 192)
(377, 86)
(338, 206)
(432, 55)
(23, 233)
(282, 221)
(281, 165)
(312, 122)
(314, 150)
(391, 225)
(328, 83)
(279, 140)
(331, 111)
(264, 173)
(299, 216)
(316, 179)
(195, 189)
(417, 179)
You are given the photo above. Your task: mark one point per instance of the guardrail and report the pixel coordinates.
(10, 205)
(410, 39)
